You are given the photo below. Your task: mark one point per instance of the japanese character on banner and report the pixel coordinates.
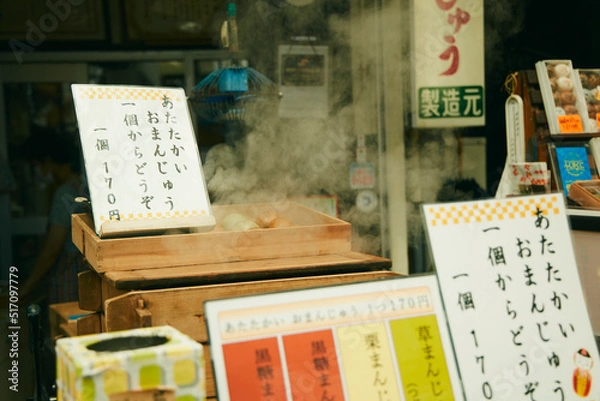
(456, 18)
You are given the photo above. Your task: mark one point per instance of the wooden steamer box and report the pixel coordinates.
(313, 233)
(165, 279)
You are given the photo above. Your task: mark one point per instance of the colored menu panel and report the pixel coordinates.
(254, 371)
(421, 359)
(368, 365)
(312, 364)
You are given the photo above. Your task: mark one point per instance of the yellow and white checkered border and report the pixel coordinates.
(489, 211)
(157, 215)
(126, 93)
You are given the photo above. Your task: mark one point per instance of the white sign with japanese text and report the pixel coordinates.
(379, 340)
(448, 63)
(513, 299)
(141, 158)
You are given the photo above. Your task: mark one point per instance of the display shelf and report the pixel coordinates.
(537, 133)
(580, 136)
(536, 127)
(584, 219)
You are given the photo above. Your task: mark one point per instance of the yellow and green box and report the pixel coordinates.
(95, 367)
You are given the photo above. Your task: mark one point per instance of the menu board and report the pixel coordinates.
(513, 299)
(377, 340)
(141, 158)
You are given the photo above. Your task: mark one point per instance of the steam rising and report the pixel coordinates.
(292, 158)
(278, 159)
(286, 158)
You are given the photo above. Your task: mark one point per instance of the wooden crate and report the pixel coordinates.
(183, 308)
(68, 319)
(313, 233)
(165, 279)
(95, 288)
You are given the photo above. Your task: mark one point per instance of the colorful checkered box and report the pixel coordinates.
(98, 366)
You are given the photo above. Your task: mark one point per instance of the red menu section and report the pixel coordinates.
(254, 371)
(313, 368)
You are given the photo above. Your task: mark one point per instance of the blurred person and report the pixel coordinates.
(53, 277)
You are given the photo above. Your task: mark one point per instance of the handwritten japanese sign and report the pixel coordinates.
(513, 299)
(384, 340)
(448, 69)
(141, 158)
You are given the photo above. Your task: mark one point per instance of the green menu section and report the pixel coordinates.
(420, 355)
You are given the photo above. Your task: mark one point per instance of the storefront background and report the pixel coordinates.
(357, 128)
(353, 141)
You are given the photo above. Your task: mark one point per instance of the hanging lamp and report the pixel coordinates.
(236, 94)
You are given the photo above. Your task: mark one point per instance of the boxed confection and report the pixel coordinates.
(562, 94)
(590, 83)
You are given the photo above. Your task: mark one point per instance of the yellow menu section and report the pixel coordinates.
(367, 358)
(421, 359)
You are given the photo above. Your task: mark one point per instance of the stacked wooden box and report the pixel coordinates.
(165, 279)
